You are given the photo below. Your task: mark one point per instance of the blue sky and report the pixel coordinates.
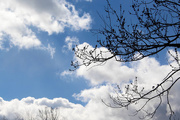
(34, 72)
(36, 38)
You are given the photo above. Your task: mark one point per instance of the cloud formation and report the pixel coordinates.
(94, 109)
(29, 108)
(70, 43)
(148, 72)
(20, 17)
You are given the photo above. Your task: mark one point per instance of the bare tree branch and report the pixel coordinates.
(155, 26)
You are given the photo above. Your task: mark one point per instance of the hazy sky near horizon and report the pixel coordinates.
(36, 41)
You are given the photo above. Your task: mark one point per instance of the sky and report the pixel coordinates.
(36, 41)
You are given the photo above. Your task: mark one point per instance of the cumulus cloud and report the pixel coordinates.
(119, 73)
(111, 71)
(18, 17)
(94, 109)
(95, 93)
(29, 107)
(148, 72)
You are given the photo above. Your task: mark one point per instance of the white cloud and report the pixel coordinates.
(92, 94)
(64, 73)
(29, 107)
(109, 72)
(52, 16)
(14, 28)
(148, 71)
(94, 109)
(70, 43)
(119, 73)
